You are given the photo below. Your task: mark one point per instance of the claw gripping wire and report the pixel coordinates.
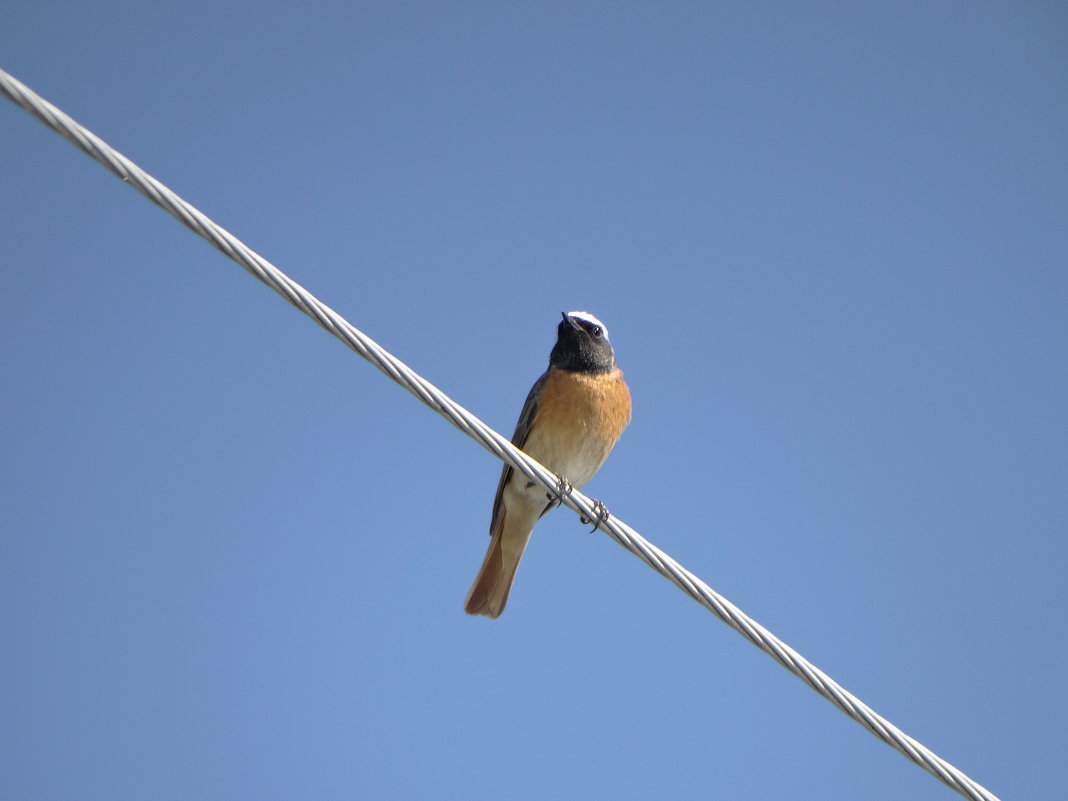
(496, 444)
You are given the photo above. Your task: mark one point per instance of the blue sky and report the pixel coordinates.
(830, 243)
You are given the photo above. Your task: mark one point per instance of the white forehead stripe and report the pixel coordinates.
(589, 318)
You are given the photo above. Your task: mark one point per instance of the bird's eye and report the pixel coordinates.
(596, 331)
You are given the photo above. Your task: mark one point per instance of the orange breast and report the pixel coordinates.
(580, 416)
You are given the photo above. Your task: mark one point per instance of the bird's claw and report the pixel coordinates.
(563, 487)
(601, 516)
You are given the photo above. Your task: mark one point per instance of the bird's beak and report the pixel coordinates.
(569, 321)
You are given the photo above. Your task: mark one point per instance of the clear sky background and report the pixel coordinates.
(830, 241)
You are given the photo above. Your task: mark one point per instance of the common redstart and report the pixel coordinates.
(571, 419)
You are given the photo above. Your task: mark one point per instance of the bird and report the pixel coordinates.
(571, 420)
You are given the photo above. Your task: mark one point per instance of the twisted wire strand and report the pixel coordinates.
(496, 444)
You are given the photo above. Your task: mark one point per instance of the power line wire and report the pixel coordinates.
(496, 444)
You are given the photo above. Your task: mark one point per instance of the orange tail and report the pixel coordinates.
(489, 593)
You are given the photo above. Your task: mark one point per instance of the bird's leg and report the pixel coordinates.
(602, 515)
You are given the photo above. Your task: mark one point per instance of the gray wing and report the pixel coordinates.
(519, 439)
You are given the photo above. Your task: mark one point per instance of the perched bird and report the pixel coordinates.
(571, 419)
